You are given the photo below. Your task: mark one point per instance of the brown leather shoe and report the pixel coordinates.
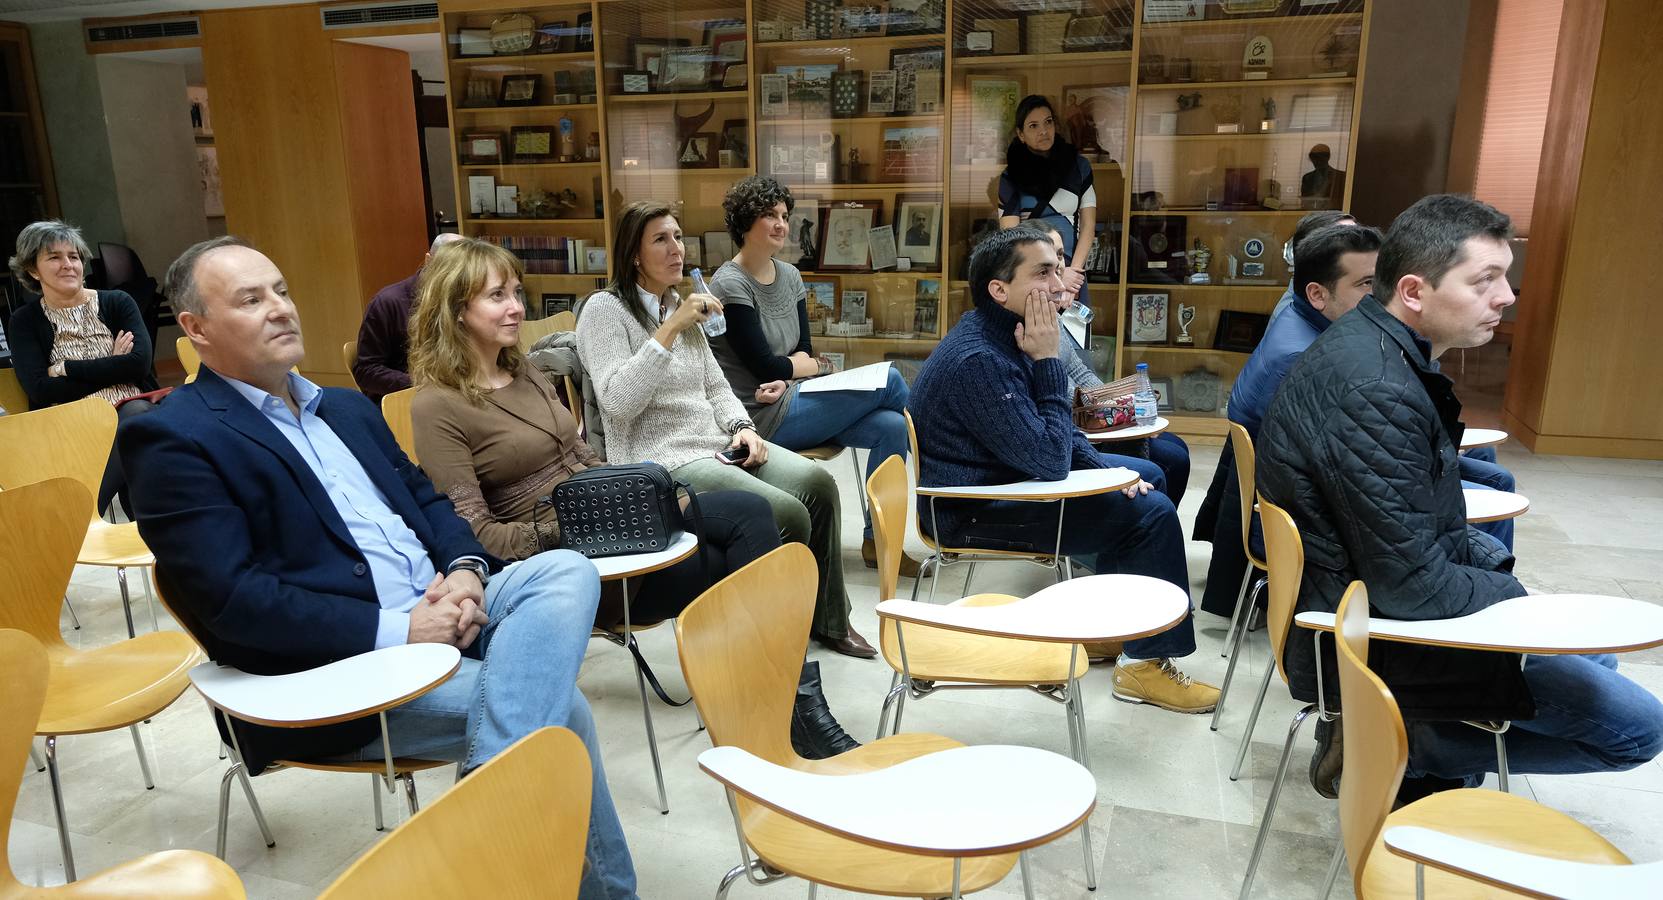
(851, 644)
(869, 555)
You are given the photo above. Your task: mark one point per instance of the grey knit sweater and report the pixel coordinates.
(669, 408)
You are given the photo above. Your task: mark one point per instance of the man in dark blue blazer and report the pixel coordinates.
(290, 531)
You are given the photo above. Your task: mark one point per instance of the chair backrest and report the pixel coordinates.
(534, 330)
(1241, 446)
(188, 357)
(349, 355)
(45, 523)
(742, 644)
(23, 670)
(395, 408)
(1376, 747)
(1286, 565)
(515, 827)
(886, 494)
(918, 470)
(121, 264)
(70, 440)
(12, 398)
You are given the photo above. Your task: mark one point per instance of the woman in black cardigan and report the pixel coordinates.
(77, 342)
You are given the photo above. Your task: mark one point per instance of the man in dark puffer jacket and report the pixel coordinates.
(1359, 446)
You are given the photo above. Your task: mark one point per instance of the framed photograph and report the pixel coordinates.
(585, 32)
(555, 304)
(1148, 314)
(700, 151)
(718, 249)
(926, 310)
(911, 154)
(213, 193)
(693, 255)
(775, 100)
(1094, 118)
(594, 260)
(531, 143)
(735, 140)
(802, 243)
(847, 226)
(519, 90)
(993, 100)
(853, 311)
(862, 21)
(479, 92)
(916, 16)
(481, 148)
(546, 39)
(1239, 331)
(642, 49)
(822, 292)
(808, 87)
(918, 230)
(482, 195)
(1163, 394)
(907, 63)
(474, 42)
(735, 76)
(726, 39)
(637, 81)
(684, 69)
(881, 242)
(1313, 112)
(508, 200)
(880, 92)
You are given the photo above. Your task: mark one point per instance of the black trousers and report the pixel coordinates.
(738, 528)
(114, 483)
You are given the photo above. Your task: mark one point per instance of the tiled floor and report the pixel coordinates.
(1169, 821)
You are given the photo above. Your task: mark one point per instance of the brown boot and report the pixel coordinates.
(1102, 651)
(869, 555)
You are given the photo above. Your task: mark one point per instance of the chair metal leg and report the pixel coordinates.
(652, 737)
(1027, 877)
(860, 486)
(958, 867)
(1091, 862)
(1270, 804)
(969, 573)
(1236, 616)
(375, 792)
(1233, 647)
(1501, 759)
(895, 689)
(1333, 870)
(813, 890)
(1252, 722)
(144, 763)
(254, 804)
(237, 770)
(900, 705)
(126, 602)
(34, 757)
(409, 779)
(73, 618)
(58, 806)
(150, 598)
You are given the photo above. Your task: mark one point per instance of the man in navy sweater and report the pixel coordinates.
(991, 406)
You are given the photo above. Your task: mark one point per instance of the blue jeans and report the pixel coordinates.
(870, 420)
(1479, 469)
(1588, 719)
(1173, 456)
(1106, 532)
(518, 676)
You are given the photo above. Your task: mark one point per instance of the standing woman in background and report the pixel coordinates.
(1047, 180)
(77, 342)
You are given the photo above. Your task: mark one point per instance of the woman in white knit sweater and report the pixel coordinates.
(664, 398)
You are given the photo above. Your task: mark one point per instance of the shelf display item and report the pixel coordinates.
(1095, 120)
(880, 92)
(915, 17)
(802, 242)
(1148, 324)
(1186, 316)
(519, 90)
(908, 63)
(1157, 249)
(481, 148)
(926, 308)
(1198, 391)
(911, 154)
(808, 88)
(845, 95)
(775, 100)
(993, 101)
(847, 227)
(532, 143)
(1239, 331)
(881, 243)
(919, 225)
(1004, 36)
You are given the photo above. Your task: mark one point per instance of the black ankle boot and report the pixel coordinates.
(815, 733)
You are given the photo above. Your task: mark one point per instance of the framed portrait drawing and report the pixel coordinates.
(802, 243)
(918, 229)
(1095, 119)
(846, 227)
(1148, 314)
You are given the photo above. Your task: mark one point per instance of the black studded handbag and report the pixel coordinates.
(619, 510)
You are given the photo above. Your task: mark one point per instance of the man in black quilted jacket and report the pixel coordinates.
(1359, 446)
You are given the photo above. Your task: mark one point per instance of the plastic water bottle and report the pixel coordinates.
(1144, 403)
(716, 325)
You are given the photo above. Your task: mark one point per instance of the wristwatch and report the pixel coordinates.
(472, 564)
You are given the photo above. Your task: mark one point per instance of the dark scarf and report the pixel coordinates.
(1040, 176)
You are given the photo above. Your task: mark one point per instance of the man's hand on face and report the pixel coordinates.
(1036, 334)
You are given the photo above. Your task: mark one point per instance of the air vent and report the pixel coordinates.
(360, 15)
(148, 30)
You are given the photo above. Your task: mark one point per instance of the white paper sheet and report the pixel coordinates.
(866, 378)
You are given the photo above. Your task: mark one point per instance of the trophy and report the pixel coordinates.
(1186, 315)
(1200, 259)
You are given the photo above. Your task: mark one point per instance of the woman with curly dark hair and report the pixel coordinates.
(766, 353)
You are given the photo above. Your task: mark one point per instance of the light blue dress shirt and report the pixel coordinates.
(399, 563)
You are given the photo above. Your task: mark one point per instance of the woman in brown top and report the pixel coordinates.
(493, 435)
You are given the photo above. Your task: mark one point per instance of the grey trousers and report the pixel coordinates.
(804, 500)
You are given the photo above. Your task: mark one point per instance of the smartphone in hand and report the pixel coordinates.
(733, 456)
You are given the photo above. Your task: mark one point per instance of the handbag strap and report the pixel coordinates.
(697, 529)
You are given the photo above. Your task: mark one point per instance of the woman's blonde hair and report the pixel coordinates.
(441, 350)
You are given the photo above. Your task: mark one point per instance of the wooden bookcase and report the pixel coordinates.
(1184, 139)
(28, 191)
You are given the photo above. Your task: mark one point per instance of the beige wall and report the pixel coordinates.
(154, 157)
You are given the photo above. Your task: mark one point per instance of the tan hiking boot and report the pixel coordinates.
(1102, 651)
(1158, 682)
